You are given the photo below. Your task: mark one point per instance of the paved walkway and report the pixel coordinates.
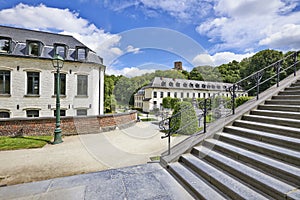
(83, 154)
(148, 181)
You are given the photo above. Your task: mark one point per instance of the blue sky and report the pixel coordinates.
(139, 36)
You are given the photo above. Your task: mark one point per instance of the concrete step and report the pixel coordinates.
(271, 128)
(279, 140)
(232, 187)
(297, 84)
(286, 155)
(287, 97)
(279, 169)
(292, 88)
(200, 188)
(281, 114)
(261, 181)
(289, 108)
(283, 102)
(273, 120)
(289, 92)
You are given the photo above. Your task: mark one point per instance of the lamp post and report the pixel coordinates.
(57, 63)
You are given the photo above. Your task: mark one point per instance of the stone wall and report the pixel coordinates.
(69, 125)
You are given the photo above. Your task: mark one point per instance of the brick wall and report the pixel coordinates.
(69, 125)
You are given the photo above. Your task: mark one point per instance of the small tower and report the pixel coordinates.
(178, 65)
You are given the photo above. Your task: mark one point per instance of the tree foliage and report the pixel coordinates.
(184, 119)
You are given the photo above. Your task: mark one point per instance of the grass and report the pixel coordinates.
(26, 142)
(155, 158)
(148, 119)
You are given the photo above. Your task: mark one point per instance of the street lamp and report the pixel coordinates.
(57, 62)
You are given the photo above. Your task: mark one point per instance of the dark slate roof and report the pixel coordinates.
(20, 36)
(161, 82)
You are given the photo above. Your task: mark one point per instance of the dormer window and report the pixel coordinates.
(5, 44)
(34, 48)
(171, 84)
(81, 53)
(177, 84)
(60, 49)
(163, 83)
(184, 84)
(203, 86)
(191, 85)
(197, 85)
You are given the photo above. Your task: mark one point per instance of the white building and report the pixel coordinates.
(27, 77)
(151, 96)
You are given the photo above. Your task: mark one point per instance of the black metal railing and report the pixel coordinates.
(217, 106)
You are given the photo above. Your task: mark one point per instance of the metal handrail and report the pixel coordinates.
(235, 87)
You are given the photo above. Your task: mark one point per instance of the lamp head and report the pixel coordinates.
(57, 61)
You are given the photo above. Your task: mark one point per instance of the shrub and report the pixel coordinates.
(241, 100)
(184, 119)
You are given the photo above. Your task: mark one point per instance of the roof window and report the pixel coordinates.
(5, 44)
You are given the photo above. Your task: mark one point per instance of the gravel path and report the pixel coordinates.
(84, 153)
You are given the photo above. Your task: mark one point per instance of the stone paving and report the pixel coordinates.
(110, 151)
(149, 181)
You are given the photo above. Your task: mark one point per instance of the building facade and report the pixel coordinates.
(150, 97)
(27, 76)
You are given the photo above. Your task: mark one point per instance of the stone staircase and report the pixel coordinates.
(255, 157)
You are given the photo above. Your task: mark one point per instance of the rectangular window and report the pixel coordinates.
(33, 83)
(175, 94)
(60, 50)
(154, 94)
(82, 112)
(4, 82)
(161, 94)
(187, 95)
(62, 84)
(82, 85)
(32, 113)
(181, 95)
(33, 48)
(204, 94)
(62, 113)
(169, 94)
(81, 53)
(194, 95)
(4, 45)
(199, 95)
(4, 114)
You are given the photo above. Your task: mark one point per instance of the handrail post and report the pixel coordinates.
(278, 66)
(169, 138)
(295, 61)
(233, 98)
(204, 115)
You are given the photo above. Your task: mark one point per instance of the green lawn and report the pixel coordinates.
(27, 142)
(148, 119)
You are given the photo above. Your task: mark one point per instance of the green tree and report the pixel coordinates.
(259, 61)
(167, 102)
(184, 119)
(195, 75)
(109, 99)
(173, 102)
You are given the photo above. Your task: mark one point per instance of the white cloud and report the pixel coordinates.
(131, 49)
(288, 36)
(219, 58)
(129, 71)
(202, 60)
(180, 9)
(66, 22)
(243, 24)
